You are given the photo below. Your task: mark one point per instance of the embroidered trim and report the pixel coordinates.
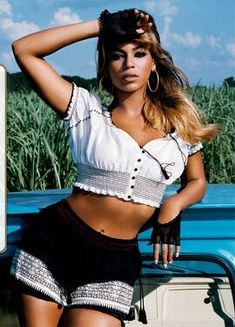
(85, 118)
(31, 271)
(71, 104)
(34, 273)
(112, 294)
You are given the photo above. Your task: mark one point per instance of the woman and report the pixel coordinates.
(78, 263)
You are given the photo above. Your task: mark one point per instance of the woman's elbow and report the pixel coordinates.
(16, 47)
(21, 53)
(19, 48)
(202, 183)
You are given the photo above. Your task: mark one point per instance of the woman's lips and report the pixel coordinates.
(130, 77)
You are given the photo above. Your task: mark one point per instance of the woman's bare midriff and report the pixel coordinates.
(109, 215)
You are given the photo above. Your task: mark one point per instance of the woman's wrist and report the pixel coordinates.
(169, 210)
(94, 27)
(86, 30)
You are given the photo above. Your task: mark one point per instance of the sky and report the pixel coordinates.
(200, 34)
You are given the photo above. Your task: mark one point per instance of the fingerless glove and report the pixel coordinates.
(168, 233)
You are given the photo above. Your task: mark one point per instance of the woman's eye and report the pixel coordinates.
(115, 56)
(140, 54)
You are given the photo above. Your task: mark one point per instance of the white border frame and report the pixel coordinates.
(3, 92)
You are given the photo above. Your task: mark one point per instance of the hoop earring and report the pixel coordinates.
(157, 85)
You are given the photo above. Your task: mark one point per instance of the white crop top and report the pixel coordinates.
(109, 161)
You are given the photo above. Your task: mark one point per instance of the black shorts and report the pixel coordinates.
(64, 259)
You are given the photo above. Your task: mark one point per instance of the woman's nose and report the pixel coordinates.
(129, 62)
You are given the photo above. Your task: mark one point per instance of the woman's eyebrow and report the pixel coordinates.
(116, 49)
(123, 51)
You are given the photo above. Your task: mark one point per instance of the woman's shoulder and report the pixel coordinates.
(88, 96)
(82, 101)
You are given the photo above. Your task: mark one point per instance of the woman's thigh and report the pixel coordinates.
(35, 312)
(81, 317)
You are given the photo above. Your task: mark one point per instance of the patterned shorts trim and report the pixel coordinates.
(33, 272)
(108, 287)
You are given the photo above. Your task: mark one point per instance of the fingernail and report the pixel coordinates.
(177, 254)
(156, 262)
(165, 265)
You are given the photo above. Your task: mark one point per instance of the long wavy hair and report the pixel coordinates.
(170, 107)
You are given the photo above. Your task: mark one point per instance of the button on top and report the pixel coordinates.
(143, 151)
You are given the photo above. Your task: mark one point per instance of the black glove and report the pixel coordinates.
(122, 25)
(168, 233)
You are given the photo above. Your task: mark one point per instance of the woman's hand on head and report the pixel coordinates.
(124, 25)
(142, 23)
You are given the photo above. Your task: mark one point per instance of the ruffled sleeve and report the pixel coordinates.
(71, 104)
(195, 148)
(80, 103)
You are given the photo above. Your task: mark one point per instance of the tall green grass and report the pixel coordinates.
(218, 106)
(38, 155)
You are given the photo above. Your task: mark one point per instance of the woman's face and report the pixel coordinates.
(129, 67)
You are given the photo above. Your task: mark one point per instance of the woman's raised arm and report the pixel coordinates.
(30, 51)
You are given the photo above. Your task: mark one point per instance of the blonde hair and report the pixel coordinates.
(168, 108)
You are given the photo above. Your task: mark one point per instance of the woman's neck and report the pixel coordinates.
(132, 104)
